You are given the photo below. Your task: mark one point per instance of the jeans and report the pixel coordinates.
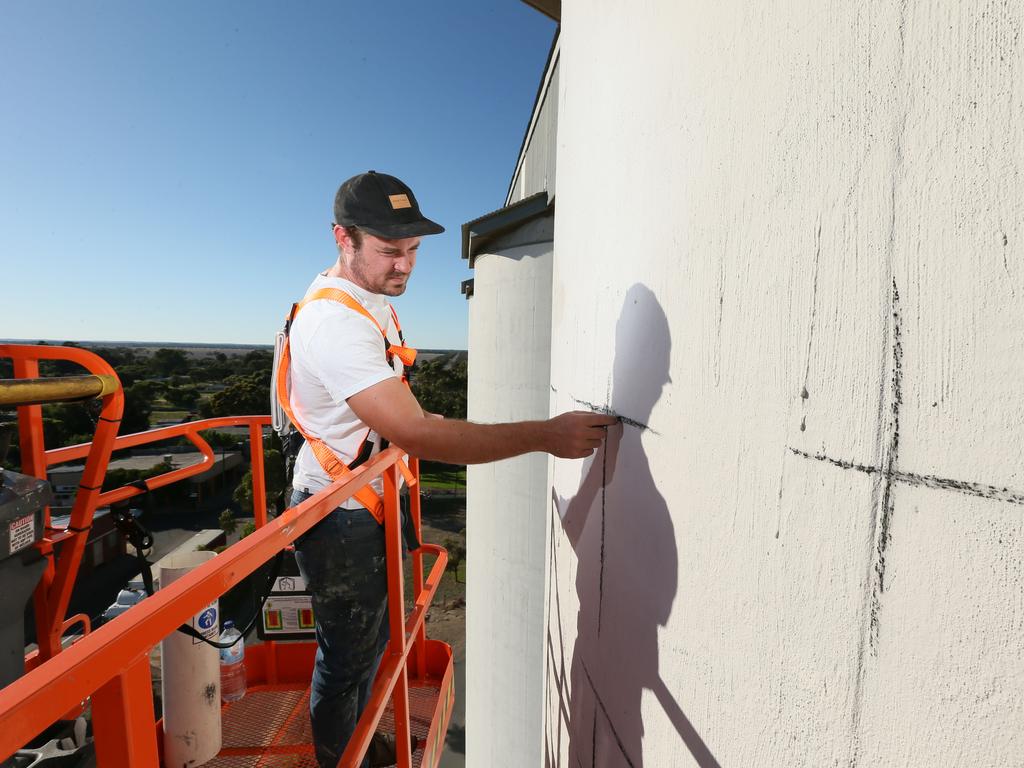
(343, 562)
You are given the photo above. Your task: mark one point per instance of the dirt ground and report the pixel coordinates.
(444, 520)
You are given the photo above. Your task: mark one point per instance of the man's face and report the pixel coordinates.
(383, 266)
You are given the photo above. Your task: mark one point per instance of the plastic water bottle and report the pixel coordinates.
(232, 664)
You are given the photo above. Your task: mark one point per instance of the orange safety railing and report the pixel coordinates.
(54, 593)
(111, 664)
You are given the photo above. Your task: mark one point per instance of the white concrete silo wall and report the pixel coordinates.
(808, 216)
(510, 345)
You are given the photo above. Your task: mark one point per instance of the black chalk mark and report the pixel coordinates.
(966, 487)
(1006, 268)
(607, 411)
(841, 463)
(814, 307)
(891, 456)
(881, 519)
(604, 711)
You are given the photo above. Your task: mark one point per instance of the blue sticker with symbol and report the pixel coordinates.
(207, 618)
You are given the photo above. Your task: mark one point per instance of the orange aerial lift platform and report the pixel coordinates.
(106, 672)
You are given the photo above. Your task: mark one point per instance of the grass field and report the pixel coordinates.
(160, 414)
(443, 479)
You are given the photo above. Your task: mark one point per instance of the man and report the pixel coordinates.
(347, 393)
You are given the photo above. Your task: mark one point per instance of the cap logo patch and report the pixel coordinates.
(399, 201)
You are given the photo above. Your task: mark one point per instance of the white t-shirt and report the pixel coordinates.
(336, 353)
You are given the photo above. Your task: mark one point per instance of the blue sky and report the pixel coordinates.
(167, 170)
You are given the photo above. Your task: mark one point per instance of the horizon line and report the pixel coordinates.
(143, 343)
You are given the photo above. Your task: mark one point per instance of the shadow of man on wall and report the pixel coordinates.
(627, 565)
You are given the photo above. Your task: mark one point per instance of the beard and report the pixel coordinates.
(391, 284)
(392, 288)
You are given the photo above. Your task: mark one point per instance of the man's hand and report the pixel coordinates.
(390, 410)
(577, 434)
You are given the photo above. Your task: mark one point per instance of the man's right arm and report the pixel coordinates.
(391, 410)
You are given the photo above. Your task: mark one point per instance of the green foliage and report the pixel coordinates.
(440, 387)
(273, 470)
(220, 440)
(438, 476)
(257, 361)
(69, 423)
(227, 522)
(138, 406)
(118, 357)
(116, 478)
(167, 362)
(210, 369)
(182, 397)
(73, 423)
(245, 395)
(248, 528)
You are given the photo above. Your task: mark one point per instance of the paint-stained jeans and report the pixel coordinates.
(342, 560)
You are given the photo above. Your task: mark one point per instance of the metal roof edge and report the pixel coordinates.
(550, 8)
(480, 230)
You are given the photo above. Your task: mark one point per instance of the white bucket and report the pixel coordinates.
(190, 678)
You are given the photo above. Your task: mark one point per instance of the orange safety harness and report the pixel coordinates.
(331, 463)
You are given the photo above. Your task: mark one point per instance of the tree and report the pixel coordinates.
(167, 362)
(69, 423)
(138, 406)
(274, 477)
(182, 397)
(258, 360)
(227, 522)
(440, 386)
(246, 395)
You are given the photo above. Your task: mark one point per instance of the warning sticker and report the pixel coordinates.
(205, 623)
(288, 614)
(289, 584)
(22, 532)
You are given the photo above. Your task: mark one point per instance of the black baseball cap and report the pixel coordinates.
(383, 206)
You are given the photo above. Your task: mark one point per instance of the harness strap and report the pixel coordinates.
(406, 354)
(329, 461)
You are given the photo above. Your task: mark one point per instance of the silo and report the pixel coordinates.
(510, 347)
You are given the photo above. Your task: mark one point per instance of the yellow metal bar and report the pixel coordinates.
(57, 389)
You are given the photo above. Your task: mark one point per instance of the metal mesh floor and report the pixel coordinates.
(269, 727)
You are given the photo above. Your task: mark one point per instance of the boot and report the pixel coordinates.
(383, 752)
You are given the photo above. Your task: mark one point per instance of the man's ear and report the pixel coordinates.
(342, 239)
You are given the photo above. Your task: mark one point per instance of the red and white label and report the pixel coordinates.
(22, 532)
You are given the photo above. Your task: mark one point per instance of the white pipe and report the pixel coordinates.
(190, 678)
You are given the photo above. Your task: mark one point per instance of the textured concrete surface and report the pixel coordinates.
(788, 249)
